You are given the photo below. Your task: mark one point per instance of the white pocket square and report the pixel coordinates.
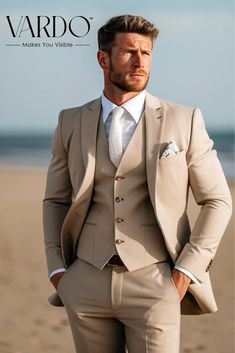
(170, 150)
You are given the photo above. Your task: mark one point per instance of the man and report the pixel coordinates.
(119, 248)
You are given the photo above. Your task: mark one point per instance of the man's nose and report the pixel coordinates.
(139, 61)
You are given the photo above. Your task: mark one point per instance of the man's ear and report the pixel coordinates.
(103, 59)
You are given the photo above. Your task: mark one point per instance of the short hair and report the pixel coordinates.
(124, 24)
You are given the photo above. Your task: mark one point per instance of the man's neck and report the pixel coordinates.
(121, 97)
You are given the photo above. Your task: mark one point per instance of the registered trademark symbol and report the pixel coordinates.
(91, 18)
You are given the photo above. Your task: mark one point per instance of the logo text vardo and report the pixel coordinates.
(49, 26)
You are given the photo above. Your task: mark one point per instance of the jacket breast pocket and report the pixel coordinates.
(172, 168)
(172, 179)
(178, 157)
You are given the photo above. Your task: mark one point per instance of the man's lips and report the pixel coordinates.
(137, 74)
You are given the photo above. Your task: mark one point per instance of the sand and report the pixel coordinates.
(28, 324)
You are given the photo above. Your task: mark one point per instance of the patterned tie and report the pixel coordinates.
(115, 135)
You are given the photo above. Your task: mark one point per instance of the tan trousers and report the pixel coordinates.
(112, 308)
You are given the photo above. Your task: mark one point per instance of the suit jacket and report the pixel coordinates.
(71, 177)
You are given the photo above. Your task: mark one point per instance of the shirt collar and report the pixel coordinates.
(134, 106)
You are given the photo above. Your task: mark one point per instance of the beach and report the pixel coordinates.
(28, 324)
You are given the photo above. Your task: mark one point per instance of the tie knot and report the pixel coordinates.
(117, 112)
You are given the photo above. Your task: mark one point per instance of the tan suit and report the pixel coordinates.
(72, 172)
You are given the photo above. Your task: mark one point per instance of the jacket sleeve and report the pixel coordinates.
(57, 200)
(211, 192)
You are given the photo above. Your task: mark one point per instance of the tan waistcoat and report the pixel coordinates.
(121, 217)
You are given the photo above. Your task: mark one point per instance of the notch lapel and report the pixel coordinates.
(76, 215)
(89, 130)
(155, 119)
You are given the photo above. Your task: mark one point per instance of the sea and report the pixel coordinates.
(21, 150)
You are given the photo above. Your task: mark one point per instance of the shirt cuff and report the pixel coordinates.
(62, 269)
(189, 274)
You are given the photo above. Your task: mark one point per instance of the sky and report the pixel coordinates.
(192, 59)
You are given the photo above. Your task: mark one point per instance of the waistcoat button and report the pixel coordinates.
(118, 199)
(119, 241)
(119, 220)
(119, 177)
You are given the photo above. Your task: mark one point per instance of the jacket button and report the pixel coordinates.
(119, 220)
(119, 177)
(118, 199)
(119, 241)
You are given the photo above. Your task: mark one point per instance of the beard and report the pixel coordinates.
(121, 81)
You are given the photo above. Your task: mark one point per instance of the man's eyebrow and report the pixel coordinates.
(136, 47)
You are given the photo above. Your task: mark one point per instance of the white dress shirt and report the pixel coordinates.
(134, 108)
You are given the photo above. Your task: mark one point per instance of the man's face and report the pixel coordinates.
(130, 62)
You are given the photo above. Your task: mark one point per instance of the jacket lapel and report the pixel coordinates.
(89, 130)
(76, 215)
(155, 118)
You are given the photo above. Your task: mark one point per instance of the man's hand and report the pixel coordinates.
(56, 278)
(181, 282)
